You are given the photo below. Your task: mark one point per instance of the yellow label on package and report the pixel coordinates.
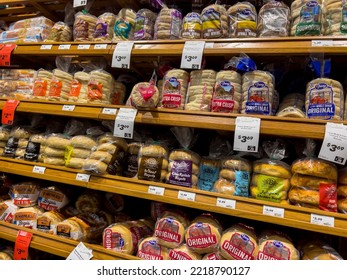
(270, 188)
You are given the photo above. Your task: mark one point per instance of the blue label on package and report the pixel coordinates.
(242, 183)
(327, 110)
(262, 108)
(207, 177)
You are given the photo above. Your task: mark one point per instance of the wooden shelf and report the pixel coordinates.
(57, 245)
(248, 208)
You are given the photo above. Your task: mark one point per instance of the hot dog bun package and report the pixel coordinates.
(184, 164)
(214, 22)
(334, 23)
(271, 176)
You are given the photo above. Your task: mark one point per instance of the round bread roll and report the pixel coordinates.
(185, 155)
(83, 142)
(319, 251)
(38, 138)
(70, 228)
(60, 161)
(119, 142)
(315, 167)
(57, 142)
(4, 134)
(150, 249)
(20, 133)
(236, 164)
(88, 202)
(101, 156)
(342, 205)
(342, 191)
(76, 163)
(23, 143)
(239, 242)
(80, 153)
(153, 151)
(213, 256)
(48, 221)
(224, 186)
(300, 180)
(54, 152)
(272, 168)
(203, 235)
(4, 256)
(3, 144)
(19, 153)
(107, 147)
(94, 165)
(183, 252)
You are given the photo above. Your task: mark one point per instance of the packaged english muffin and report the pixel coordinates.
(124, 25)
(293, 106)
(84, 27)
(150, 249)
(214, 22)
(168, 24)
(144, 25)
(183, 252)
(192, 26)
(104, 27)
(334, 21)
(25, 194)
(131, 165)
(42, 84)
(60, 32)
(242, 20)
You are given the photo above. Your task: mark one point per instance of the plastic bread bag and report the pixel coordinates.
(25, 194)
(170, 228)
(61, 81)
(124, 25)
(183, 169)
(73, 228)
(32, 22)
(48, 221)
(174, 89)
(334, 22)
(125, 236)
(131, 166)
(203, 235)
(306, 17)
(318, 250)
(84, 27)
(17, 142)
(241, 64)
(79, 87)
(168, 24)
(214, 22)
(100, 87)
(243, 20)
(27, 217)
(7, 211)
(41, 85)
(119, 92)
(227, 96)
(35, 147)
(257, 92)
(192, 26)
(150, 249)
(274, 20)
(271, 177)
(144, 25)
(52, 198)
(146, 94)
(6, 87)
(60, 32)
(292, 106)
(239, 242)
(104, 27)
(54, 151)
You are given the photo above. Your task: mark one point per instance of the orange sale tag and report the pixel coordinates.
(8, 111)
(21, 245)
(5, 54)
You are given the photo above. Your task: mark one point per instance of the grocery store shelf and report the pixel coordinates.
(57, 245)
(296, 217)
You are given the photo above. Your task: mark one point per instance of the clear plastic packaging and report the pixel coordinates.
(183, 252)
(214, 22)
(60, 32)
(60, 85)
(150, 249)
(27, 217)
(119, 92)
(292, 106)
(243, 20)
(145, 94)
(144, 25)
(104, 27)
(16, 143)
(54, 151)
(32, 22)
(84, 27)
(317, 250)
(124, 25)
(100, 87)
(24, 35)
(192, 26)
(168, 24)
(52, 198)
(7, 211)
(334, 21)
(79, 87)
(41, 86)
(48, 221)
(89, 202)
(131, 163)
(73, 228)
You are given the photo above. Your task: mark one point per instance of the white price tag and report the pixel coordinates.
(273, 211)
(186, 196)
(124, 124)
(192, 54)
(226, 203)
(322, 220)
(322, 43)
(79, 3)
(82, 177)
(64, 47)
(122, 55)
(100, 47)
(109, 111)
(334, 147)
(156, 190)
(83, 47)
(46, 47)
(80, 253)
(39, 169)
(69, 108)
(246, 137)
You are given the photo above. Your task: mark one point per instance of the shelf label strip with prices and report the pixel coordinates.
(322, 43)
(192, 54)
(226, 203)
(82, 177)
(122, 55)
(5, 54)
(64, 47)
(124, 123)
(334, 147)
(39, 169)
(100, 46)
(156, 190)
(322, 220)
(83, 47)
(21, 246)
(46, 47)
(246, 137)
(186, 195)
(109, 111)
(8, 111)
(69, 108)
(81, 252)
(273, 211)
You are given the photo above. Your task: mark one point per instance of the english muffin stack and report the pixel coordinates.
(214, 22)
(242, 20)
(84, 27)
(60, 86)
(168, 24)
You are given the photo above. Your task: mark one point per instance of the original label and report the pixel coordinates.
(81, 252)
(186, 195)
(156, 190)
(39, 169)
(21, 246)
(64, 47)
(239, 247)
(83, 47)
(124, 123)
(273, 211)
(192, 54)
(8, 111)
(178, 255)
(321, 102)
(109, 111)
(246, 137)
(258, 101)
(322, 220)
(274, 250)
(226, 203)
(46, 47)
(200, 236)
(69, 108)
(181, 173)
(208, 175)
(334, 146)
(122, 55)
(5, 54)
(82, 177)
(150, 250)
(168, 230)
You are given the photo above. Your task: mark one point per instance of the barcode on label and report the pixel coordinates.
(195, 66)
(125, 66)
(251, 148)
(339, 159)
(127, 135)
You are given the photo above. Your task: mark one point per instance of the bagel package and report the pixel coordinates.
(334, 21)
(78, 150)
(174, 90)
(208, 173)
(170, 229)
(214, 22)
(7, 211)
(318, 250)
(257, 92)
(16, 143)
(119, 92)
(145, 94)
(35, 147)
(41, 85)
(89, 202)
(25, 194)
(239, 242)
(48, 221)
(73, 228)
(203, 235)
(60, 32)
(275, 245)
(152, 163)
(54, 151)
(104, 27)
(227, 93)
(52, 198)
(192, 26)
(274, 20)
(200, 90)
(144, 25)
(124, 25)
(234, 176)
(342, 191)
(292, 106)
(168, 24)
(214, 256)
(125, 237)
(183, 252)
(131, 164)
(27, 217)
(150, 249)
(242, 20)
(314, 184)
(183, 168)
(271, 176)
(100, 87)
(306, 17)
(84, 27)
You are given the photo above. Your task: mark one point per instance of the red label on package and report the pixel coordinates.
(179, 255)
(200, 236)
(94, 90)
(21, 245)
(5, 54)
(8, 111)
(40, 87)
(150, 250)
(328, 197)
(168, 230)
(75, 89)
(55, 88)
(171, 101)
(274, 250)
(222, 105)
(239, 247)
